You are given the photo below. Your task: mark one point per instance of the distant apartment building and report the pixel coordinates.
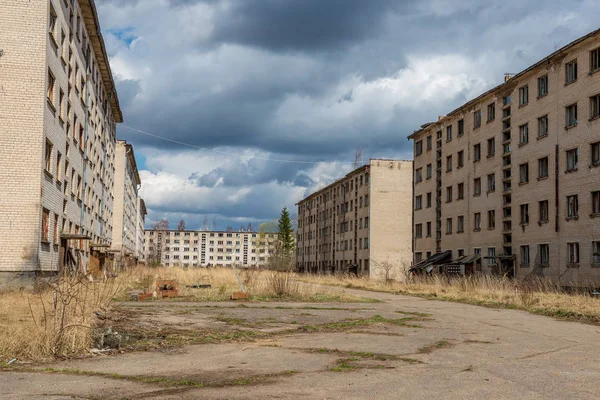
(208, 248)
(126, 220)
(360, 223)
(57, 141)
(140, 245)
(511, 180)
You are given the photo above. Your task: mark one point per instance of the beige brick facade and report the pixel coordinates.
(361, 222)
(542, 153)
(57, 132)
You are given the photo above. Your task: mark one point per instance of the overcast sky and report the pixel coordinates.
(251, 81)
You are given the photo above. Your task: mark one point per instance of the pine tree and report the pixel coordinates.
(286, 233)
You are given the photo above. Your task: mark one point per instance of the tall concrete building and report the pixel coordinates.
(57, 134)
(140, 245)
(511, 179)
(127, 218)
(208, 248)
(360, 223)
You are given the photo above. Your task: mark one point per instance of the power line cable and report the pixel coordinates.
(224, 152)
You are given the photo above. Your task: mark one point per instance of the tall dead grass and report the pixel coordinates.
(537, 295)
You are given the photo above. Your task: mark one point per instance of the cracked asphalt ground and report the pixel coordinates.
(401, 348)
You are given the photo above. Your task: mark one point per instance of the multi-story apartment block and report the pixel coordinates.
(140, 245)
(57, 134)
(126, 203)
(209, 248)
(513, 176)
(360, 223)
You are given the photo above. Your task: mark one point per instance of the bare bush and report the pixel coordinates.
(282, 284)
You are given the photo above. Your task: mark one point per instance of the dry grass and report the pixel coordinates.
(59, 320)
(537, 295)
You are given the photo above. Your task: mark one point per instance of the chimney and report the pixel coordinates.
(508, 76)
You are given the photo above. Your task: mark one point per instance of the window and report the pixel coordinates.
(506, 100)
(491, 112)
(595, 106)
(491, 256)
(491, 178)
(460, 224)
(596, 202)
(448, 194)
(477, 152)
(58, 168)
(429, 171)
(524, 214)
(571, 115)
(524, 134)
(491, 147)
(448, 226)
(544, 211)
(449, 163)
(418, 202)
(429, 200)
(461, 159)
(477, 119)
(429, 142)
(542, 86)
(476, 186)
(491, 219)
(595, 60)
(366, 243)
(51, 83)
(543, 168)
(418, 257)
(477, 221)
(572, 160)
(429, 229)
(61, 99)
(461, 127)
(461, 191)
(572, 206)
(48, 157)
(449, 133)
(571, 72)
(419, 148)
(419, 175)
(366, 222)
(573, 253)
(524, 173)
(543, 126)
(544, 253)
(45, 225)
(419, 230)
(52, 21)
(596, 253)
(523, 95)
(524, 256)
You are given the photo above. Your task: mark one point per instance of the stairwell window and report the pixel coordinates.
(571, 115)
(491, 220)
(524, 256)
(571, 72)
(572, 207)
(477, 152)
(543, 126)
(449, 194)
(573, 253)
(542, 86)
(595, 60)
(477, 119)
(461, 159)
(544, 211)
(491, 178)
(449, 163)
(524, 134)
(544, 254)
(460, 224)
(595, 106)
(524, 214)
(523, 95)
(543, 168)
(572, 160)
(448, 226)
(491, 147)
(428, 171)
(429, 200)
(428, 232)
(477, 222)
(477, 187)
(524, 173)
(596, 203)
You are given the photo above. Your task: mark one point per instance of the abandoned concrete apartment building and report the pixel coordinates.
(360, 223)
(57, 137)
(209, 248)
(510, 181)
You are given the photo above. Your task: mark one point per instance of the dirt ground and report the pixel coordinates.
(401, 347)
